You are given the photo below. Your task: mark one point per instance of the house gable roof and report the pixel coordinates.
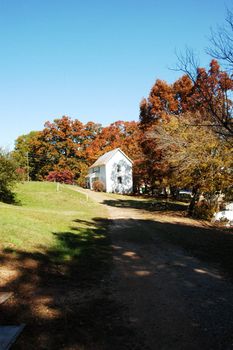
(107, 156)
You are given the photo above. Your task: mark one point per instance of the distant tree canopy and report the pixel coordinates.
(60, 146)
(71, 146)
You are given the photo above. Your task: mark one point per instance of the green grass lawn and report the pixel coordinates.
(58, 224)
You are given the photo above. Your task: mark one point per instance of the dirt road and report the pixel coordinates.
(169, 299)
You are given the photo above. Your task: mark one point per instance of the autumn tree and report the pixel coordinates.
(197, 157)
(211, 94)
(62, 176)
(60, 146)
(164, 101)
(204, 93)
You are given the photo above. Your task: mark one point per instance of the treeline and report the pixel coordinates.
(65, 149)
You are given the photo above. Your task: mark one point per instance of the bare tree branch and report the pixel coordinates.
(221, 41)
(187, 63)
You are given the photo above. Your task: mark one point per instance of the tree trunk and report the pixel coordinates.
(193, 201)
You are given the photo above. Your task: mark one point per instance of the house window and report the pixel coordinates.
(118, 168)
(119, 180)
(96, 169)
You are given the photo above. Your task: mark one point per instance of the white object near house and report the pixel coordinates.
(229, 206)
(114, 170)
(225, 214)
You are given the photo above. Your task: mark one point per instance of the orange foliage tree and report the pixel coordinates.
(206, 96)
(164, 100)
(60, 146)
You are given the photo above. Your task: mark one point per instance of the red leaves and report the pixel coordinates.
(63, 176)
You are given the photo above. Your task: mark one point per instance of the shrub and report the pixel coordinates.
(98, 186)
(204, 210)
(62, 176)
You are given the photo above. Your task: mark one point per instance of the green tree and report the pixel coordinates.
(8, 176)
(23, 147)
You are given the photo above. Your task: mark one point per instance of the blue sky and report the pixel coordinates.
(92, 60)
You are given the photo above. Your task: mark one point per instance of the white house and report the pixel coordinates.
(114, 170)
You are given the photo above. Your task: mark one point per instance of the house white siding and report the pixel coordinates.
(97, 173)
(119, 174)
(114, 169)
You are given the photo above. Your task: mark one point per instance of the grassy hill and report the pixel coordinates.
(60, 224)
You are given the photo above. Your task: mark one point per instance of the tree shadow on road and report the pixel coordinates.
(155, 205)
(206, 243)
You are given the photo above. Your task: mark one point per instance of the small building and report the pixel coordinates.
(114, 170)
